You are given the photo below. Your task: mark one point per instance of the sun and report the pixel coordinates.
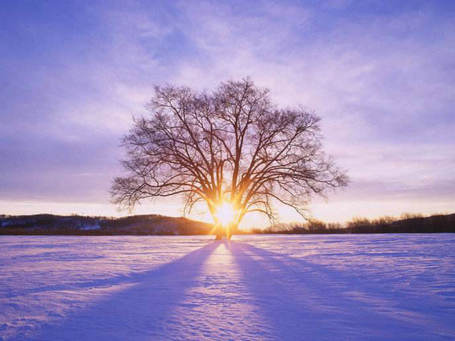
(226, 213)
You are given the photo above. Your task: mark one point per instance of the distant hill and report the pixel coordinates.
(44, 224)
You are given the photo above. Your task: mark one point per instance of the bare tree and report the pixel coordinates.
(232, 149)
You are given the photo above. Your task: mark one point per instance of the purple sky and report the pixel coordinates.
(381, 74)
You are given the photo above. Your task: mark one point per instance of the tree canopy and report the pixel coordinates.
(232, 148)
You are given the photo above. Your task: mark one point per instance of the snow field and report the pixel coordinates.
(318, 287)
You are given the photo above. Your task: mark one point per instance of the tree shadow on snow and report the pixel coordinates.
(140, 311)
(302, 300)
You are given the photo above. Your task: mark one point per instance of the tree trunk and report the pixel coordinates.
(231, 230)
(219, 232)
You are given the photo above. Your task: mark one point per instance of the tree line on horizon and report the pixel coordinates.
(48, 224)
(406, 223)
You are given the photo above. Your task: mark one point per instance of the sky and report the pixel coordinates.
(380, 74)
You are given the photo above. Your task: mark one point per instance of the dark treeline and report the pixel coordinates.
(407, 223)
(47, 224)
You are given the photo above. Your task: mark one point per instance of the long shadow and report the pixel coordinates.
(305, 301)
(141, 310)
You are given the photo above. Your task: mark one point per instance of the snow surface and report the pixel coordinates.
(326, 287)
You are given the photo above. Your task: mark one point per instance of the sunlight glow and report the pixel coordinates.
(226, 213)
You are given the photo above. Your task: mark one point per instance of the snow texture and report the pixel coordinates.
(325, 287)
